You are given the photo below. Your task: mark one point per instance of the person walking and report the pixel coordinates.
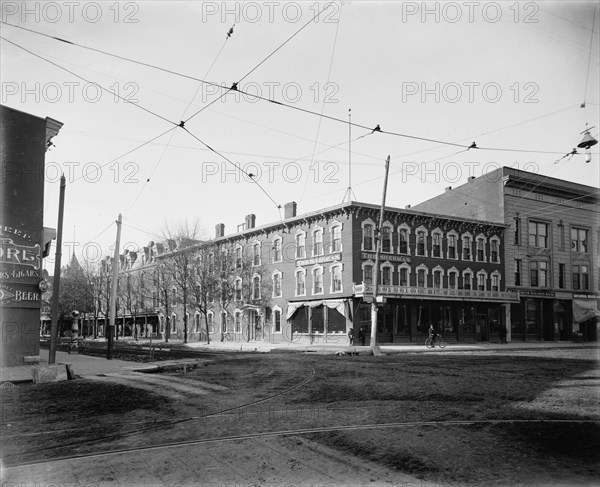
(351, 336)
(502, 332)
(362, 335)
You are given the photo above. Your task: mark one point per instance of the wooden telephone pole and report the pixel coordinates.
(56, 281)
(374, 305)
(113, 292)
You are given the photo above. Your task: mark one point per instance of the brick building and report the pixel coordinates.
(24, 242)
(319, 266)
(551, 250)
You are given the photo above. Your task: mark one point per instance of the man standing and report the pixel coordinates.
(362, 335)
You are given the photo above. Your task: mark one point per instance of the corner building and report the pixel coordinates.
(551, 251)
(435, 269)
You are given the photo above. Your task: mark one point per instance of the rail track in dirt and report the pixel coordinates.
(276, 381)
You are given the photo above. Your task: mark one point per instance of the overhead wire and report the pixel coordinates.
(145, 183)
(237, 166)
(149, 111)
(337, 28)
(234, 85)
(88, 81)
(286, 105)
(130, 151)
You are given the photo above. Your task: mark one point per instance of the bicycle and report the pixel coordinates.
(227, 336)
(439, 341)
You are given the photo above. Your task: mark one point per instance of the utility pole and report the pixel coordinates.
(113, 292)
(56, 281)
(374, 347)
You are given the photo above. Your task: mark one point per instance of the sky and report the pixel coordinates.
(435, 77)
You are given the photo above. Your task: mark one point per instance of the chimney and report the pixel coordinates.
(449, 188)
(290, 210)
(219, 230)
(250, 221)
(471, 179)
(407, 206)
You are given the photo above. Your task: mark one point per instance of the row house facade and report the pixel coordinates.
(309, 278)
(551, 250)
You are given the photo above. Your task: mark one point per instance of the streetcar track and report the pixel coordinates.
(301, 431)
(129, 433)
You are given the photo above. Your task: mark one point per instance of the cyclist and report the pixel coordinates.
(432, 335)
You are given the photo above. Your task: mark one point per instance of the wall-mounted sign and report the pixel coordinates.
(532, 292)
(20, 255)
(319, 260)
(384, 257)
(21, 296)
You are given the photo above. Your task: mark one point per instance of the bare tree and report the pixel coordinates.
(163, 283)
(180, 241)
(130, 298)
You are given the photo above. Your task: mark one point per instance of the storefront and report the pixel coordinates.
(460, 315)
(585, 315)
(316, 321)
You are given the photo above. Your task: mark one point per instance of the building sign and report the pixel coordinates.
(319, 260)
(22, 296)
(586, 296)
(532, 292)
(384, 257)
(19, 255)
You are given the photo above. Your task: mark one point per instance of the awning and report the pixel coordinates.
(342, 306)
(48, 235)
(584, 309)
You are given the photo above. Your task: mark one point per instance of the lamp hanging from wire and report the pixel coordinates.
(586, 143)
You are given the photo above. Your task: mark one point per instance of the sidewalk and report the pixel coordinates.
(86, 365)
(82, 365)
(342, 346)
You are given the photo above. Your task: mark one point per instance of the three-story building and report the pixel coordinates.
(551, 250)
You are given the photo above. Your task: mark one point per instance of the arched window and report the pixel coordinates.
(317, 280)
(277, 255)
(317, 242)
(336, 278)
(368, 242)
(301, 282)
(277, 284)
(256, 287)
